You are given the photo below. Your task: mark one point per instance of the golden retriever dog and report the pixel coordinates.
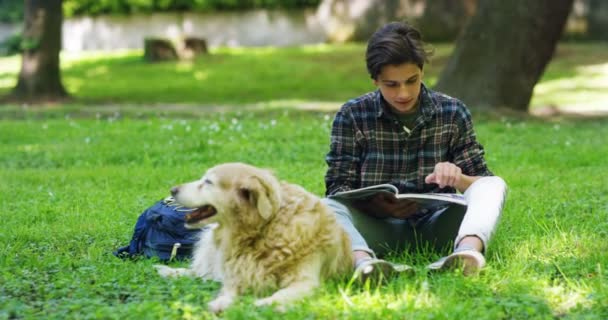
(266, 236)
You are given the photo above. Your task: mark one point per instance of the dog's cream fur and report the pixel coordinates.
(267, 236)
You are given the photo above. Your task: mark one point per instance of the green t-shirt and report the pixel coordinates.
(408, 119)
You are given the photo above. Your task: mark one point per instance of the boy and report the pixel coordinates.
(420, 141)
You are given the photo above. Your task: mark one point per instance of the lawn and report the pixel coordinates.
(322, 76)
(74, 178)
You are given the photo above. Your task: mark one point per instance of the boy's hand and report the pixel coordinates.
(387, 205)
(446, 174)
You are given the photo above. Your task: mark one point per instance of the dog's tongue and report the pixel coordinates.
(201, 213)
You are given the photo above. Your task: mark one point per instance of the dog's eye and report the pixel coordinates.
(207, 182)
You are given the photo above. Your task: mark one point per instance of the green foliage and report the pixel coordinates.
(73, 179)
(249, 75)
(29, 43)
(226, 76)
(11, 11)
(73, 186)
(332, 73)
(96, 7)
(16, 44)
(11, 46)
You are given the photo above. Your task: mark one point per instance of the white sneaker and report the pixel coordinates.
(378, 271)
(471, 261)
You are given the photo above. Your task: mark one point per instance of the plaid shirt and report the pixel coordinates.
(369, 145)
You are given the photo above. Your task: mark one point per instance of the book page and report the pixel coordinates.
(435, 199)
(365, 193)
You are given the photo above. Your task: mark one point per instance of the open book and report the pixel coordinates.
(422, 200)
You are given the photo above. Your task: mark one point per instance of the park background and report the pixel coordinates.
(92, 132)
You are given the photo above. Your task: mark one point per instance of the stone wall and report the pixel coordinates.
(250, 28)
(6, 30)
(334, 21)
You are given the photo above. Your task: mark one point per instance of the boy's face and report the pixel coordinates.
(400, 86)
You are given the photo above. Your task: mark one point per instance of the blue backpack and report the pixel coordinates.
(160, 232)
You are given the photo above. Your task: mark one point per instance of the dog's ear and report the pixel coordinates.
(262, 191)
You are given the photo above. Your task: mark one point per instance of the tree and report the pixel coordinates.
(597, 20)
(503, 52)
(348, 20)
(40, 76)
(443, 20)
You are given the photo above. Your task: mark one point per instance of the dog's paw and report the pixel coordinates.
(264, 302)
(168, 272)
(164, 271)
(220, 304)
(270, 302)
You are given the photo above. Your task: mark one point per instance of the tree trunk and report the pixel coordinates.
(355, 20)
(597, 20)
(443, 20)
(40, 76)
(503, 52)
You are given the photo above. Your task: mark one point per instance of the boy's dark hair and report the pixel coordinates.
(393, 44)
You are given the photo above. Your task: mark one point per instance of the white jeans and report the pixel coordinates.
(436, 231)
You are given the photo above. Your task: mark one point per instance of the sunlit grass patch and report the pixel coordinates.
(74, 178)
(587, 90)
(74, 183)
(328, 74)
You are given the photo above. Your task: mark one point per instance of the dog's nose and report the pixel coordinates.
(174, 191)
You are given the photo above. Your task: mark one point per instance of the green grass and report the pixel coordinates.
(72, 188)
(74, 178)
(575, 79)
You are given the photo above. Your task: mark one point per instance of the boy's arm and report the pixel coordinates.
(465, 182)
(342, 158)
(447, 174)
(465, 151)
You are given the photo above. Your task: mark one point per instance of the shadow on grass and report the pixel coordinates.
(223, 77)
(240, 78)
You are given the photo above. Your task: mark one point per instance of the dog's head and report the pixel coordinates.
(230, 193)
